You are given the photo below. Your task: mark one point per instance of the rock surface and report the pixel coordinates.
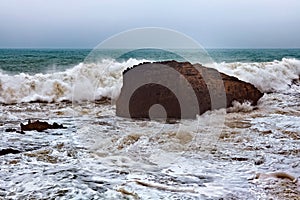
(167, 84)
(40, 126)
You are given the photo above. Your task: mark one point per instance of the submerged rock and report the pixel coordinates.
(176, 90)
(40, 126)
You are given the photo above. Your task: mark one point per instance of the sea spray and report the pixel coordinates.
(276, 76)
(85, 81)
(92, 81)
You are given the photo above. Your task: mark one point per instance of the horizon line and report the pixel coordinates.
(171, 48)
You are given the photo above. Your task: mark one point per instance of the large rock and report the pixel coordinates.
(183, 90)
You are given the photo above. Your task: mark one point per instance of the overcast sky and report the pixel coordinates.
(213, 23)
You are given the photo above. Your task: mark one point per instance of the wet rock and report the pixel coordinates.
(40, 126)
(56, 126)
(277, 175)
(13, 162)
(169, 84)
(239, 159)
(10, 130)
(9, 151)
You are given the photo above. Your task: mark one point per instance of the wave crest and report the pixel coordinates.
(92, 81)
(276, 76)
(85, 81)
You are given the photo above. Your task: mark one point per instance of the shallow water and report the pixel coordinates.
(101, 156)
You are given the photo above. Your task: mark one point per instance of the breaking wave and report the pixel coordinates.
(85, 81)
(276, 76)
(104, 79)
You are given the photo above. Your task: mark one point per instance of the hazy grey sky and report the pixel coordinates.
(213, 23)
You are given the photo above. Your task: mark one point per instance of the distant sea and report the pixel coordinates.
(49, 60)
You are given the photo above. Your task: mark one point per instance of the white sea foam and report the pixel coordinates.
(240, 107)
(104, 79)
(82, 82)
(276, 76)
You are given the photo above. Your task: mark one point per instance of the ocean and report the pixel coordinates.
(102, 156)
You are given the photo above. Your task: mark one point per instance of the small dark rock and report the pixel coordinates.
(10, 130)
(57, 126)
(9, 151)
(239, 159)
(40, 126)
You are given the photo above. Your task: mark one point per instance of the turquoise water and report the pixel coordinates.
(252, 55)
(40, 60)
(32, 61)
